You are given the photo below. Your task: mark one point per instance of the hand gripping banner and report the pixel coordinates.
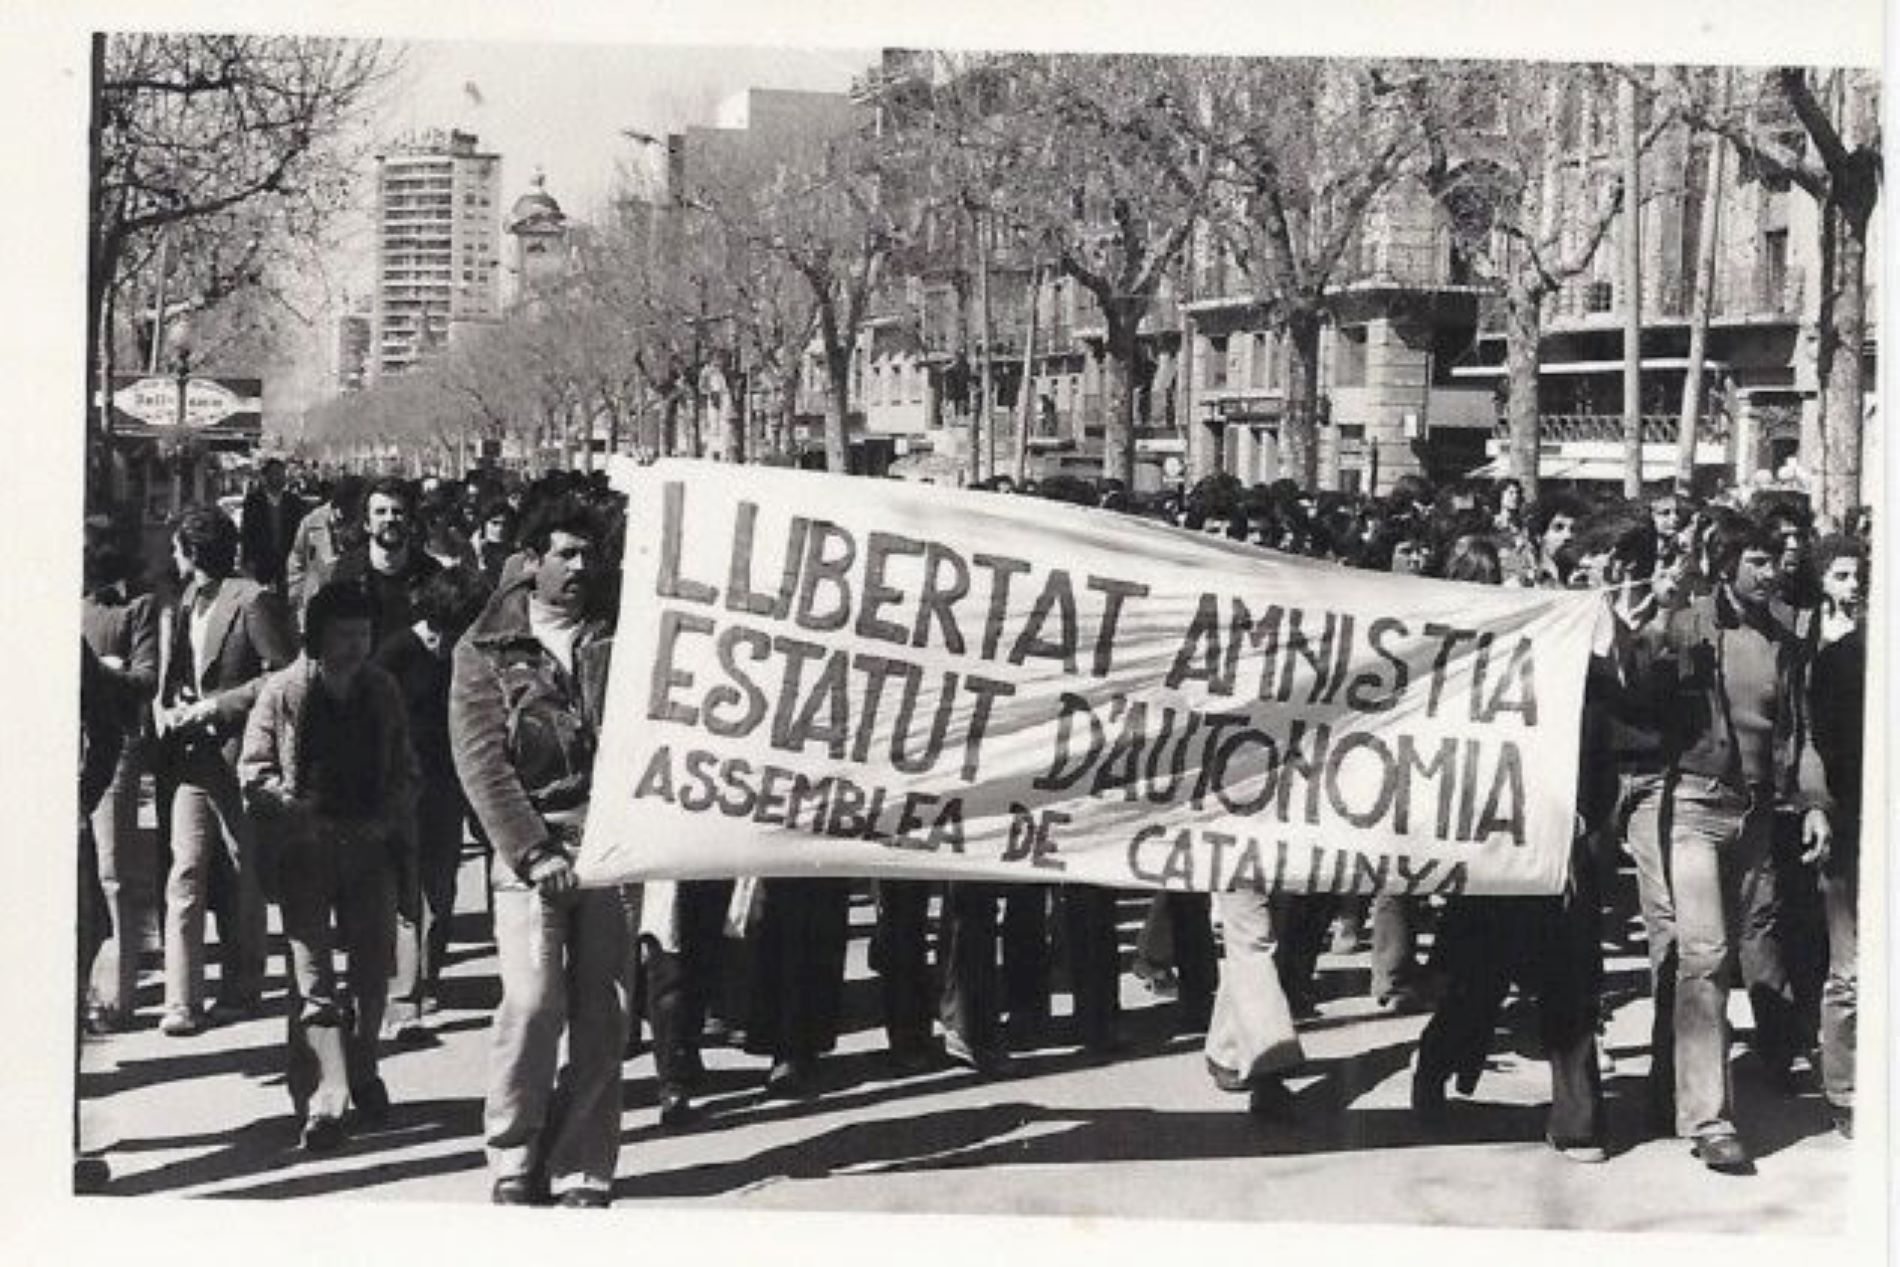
(816, 674)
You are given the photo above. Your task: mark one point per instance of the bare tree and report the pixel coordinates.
(1819, 130)
(1529, 198)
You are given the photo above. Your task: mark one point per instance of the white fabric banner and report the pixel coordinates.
(817, 674)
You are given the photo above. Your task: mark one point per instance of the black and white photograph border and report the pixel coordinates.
(1131, 1154)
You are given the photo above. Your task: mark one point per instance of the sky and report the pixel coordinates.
(558, 108)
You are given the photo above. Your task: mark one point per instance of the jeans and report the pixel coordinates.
(566, 967)
(332, 872)
(1840, 891)
(1394, 944)
(1705, 875)
(422, 943)
(128, 873)
(1251, 1035)
(209, 830)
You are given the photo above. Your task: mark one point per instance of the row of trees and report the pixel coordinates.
(1118, 172)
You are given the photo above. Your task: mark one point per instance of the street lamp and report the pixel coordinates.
(180, 341)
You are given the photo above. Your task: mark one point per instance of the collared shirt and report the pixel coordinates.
(198, 629)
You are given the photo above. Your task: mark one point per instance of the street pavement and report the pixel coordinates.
(1146, 1134)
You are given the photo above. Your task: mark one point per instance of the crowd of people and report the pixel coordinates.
(333, 699)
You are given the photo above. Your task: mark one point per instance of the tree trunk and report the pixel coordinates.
(670, 423)
(788, 408)
(1299, 434)
(1693, 388)
(838, 407)
(1632, 247)
(731, 436)
(983, 430)
(1843, 336)
(1524, 327)
(1118, 435)
(1026, 393)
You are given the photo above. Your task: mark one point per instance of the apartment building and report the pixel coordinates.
(437, 250)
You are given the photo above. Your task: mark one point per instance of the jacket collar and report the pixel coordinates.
(505, 620)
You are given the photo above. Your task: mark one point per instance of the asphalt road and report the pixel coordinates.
(1144, 1134)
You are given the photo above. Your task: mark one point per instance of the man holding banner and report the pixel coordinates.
(525, 701)
(917, 682)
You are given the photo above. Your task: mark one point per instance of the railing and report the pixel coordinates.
(1608, 429)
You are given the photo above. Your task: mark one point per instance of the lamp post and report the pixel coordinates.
(180, 341)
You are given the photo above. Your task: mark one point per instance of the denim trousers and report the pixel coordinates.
(211, 833)
(338, 892)
(1840, 891)
(1706, 879)
(1251, 1035)
(128, 874)
(422, 942)
(567, 967)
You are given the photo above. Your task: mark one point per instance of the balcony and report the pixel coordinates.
(1608, 429)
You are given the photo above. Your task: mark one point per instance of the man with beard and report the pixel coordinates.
(390, 567)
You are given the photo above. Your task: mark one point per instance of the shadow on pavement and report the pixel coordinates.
(269, 1145)
(1017, 1133)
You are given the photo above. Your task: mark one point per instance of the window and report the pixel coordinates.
(1349, 356)
(1262, 353)
(1774, 269)
(1217, 362)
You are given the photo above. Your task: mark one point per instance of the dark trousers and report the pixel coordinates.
(338, 893)
(976, 992)
(900, 955)
(795, 968)
(1549, 948)
(680, 982)
(1094, 951)
(422, 943)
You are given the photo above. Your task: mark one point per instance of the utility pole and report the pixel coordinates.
(1709, 226)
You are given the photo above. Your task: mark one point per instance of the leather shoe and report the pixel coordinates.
(371, 1102)
(1270, 1101)
(322, 1135)
(1583, 1152)
(1723, 1154)
(676, 1108)
(516, 1190)
(1428, 1093)
(789, 1080)
(988, 1061)
(585, 1199)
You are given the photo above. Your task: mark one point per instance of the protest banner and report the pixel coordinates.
(815, 674)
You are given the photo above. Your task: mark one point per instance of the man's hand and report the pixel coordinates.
(553, 876)
(1817, 834)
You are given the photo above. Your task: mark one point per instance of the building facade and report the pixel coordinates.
(437, 251)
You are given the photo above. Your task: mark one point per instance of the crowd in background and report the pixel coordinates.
(335, 695)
